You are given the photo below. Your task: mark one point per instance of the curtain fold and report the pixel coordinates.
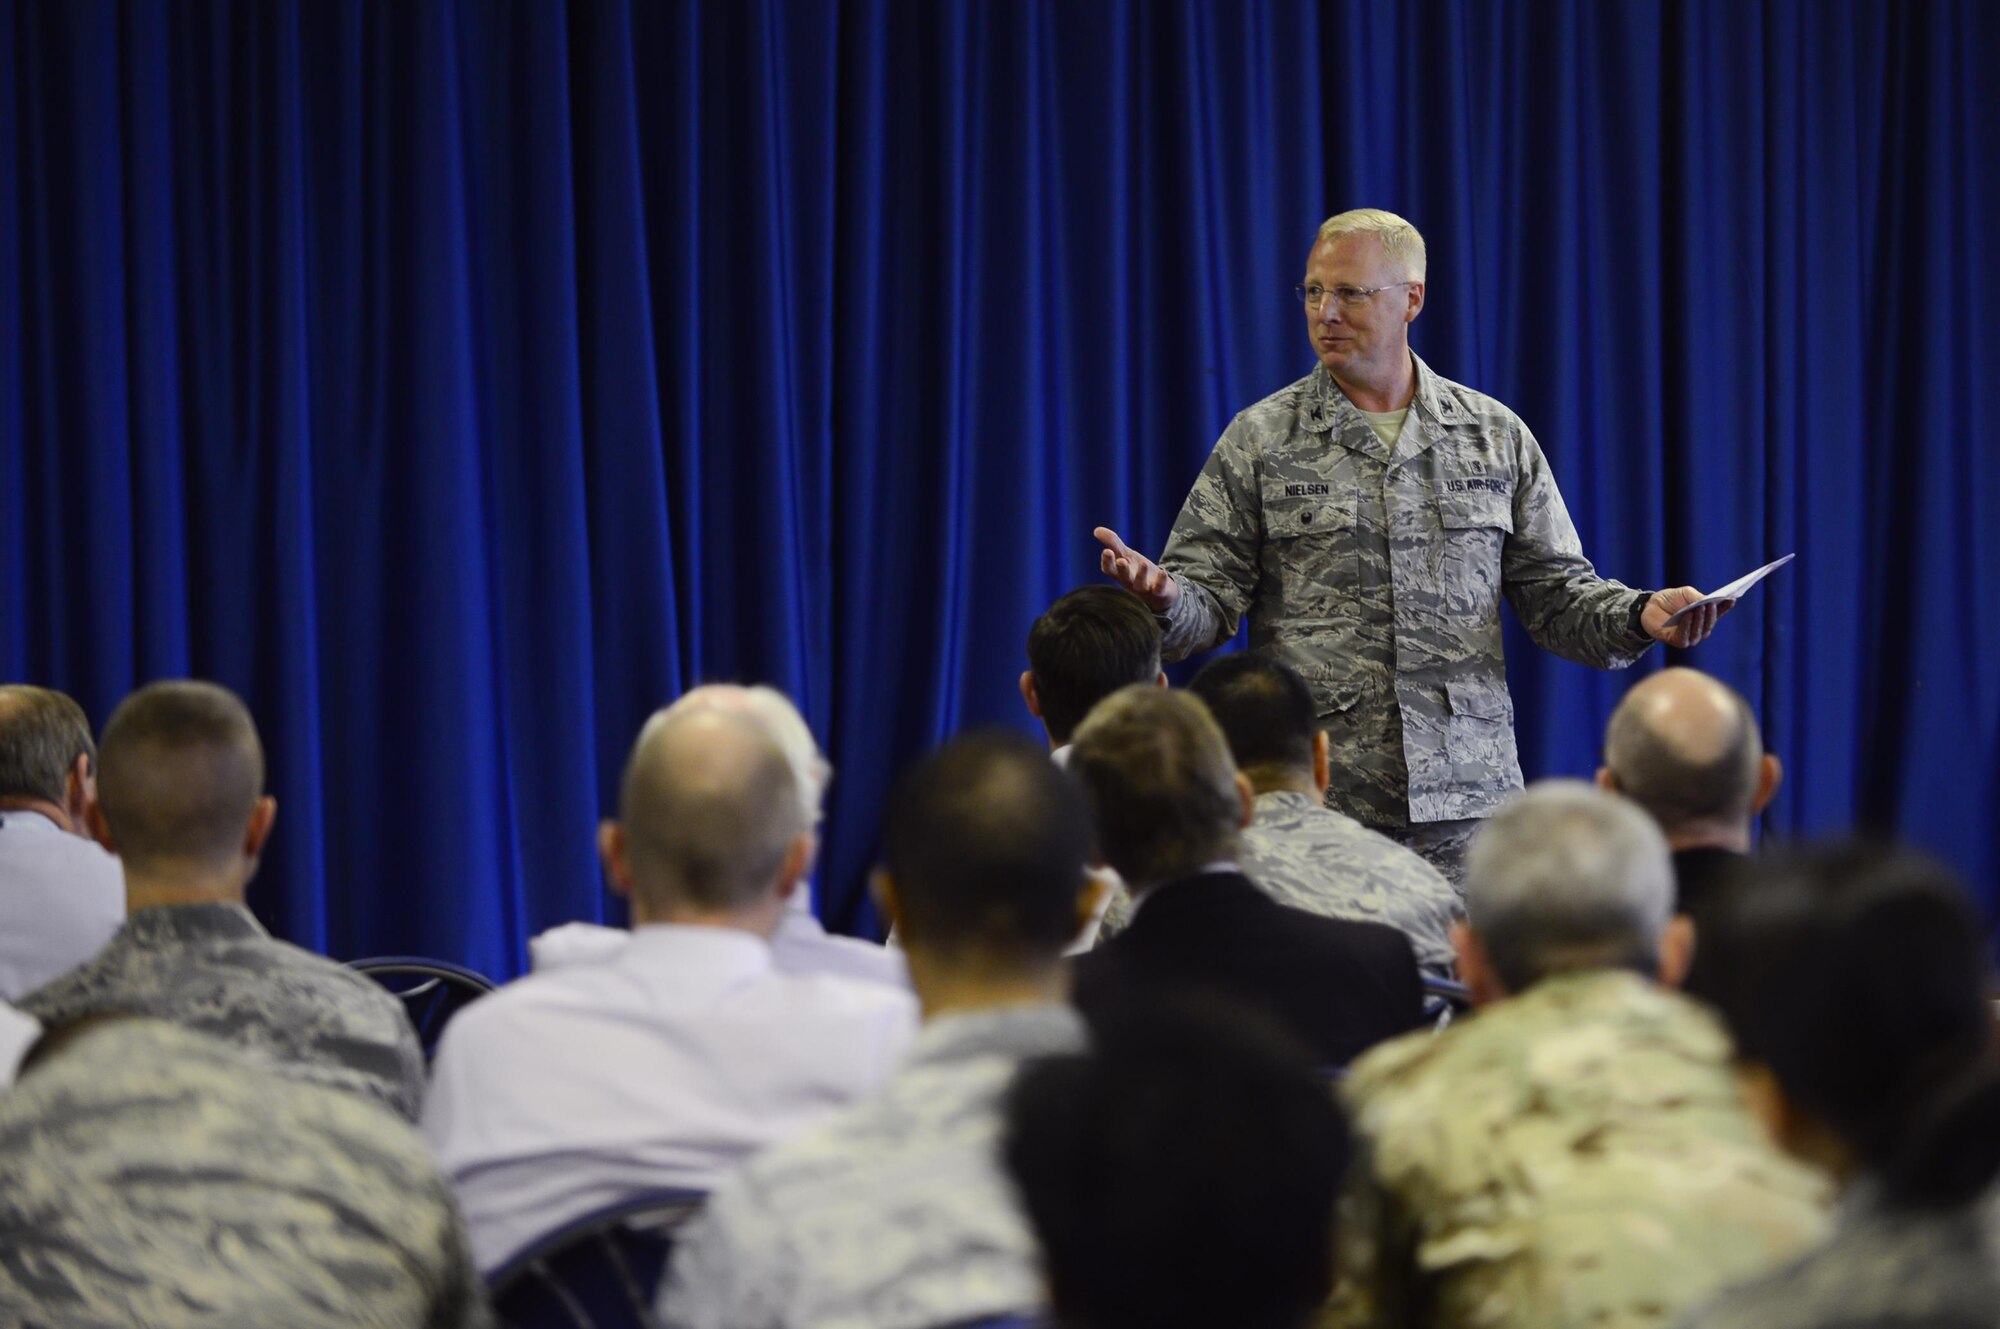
(460, 382)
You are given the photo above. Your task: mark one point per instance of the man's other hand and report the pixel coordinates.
(1689, 631)
(1139, 574)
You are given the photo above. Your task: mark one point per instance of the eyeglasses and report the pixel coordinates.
(1350, 297)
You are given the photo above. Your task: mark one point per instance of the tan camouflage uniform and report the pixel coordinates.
(1322, 861)
(1579, 1155)
(1377, 573)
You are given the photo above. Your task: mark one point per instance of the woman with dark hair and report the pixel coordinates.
(1856, 985)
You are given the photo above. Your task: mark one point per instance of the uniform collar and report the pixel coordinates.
(1325, 409)
(179, 924)
(1038, 1029)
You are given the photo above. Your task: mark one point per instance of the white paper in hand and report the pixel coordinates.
(1733, 591)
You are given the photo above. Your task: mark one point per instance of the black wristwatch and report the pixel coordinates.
(1638, 621)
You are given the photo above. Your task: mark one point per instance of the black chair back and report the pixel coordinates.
(432, 991)
(600, 1272)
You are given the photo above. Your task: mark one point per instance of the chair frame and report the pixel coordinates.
(661, 1211)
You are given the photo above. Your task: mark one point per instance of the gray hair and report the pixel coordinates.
(1567, 877)
(1402, 242)
(42, 731)
(771, 711)
(1161, 782)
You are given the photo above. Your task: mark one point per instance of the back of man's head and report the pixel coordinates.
(1085, 647)
(710, 813)
(180, 773)
(1266, 712)
(1684, 746)
(1568, 877)
(773, 712)
(1161, 783)
(1183, 1172)
(985, 843)
(42, 733)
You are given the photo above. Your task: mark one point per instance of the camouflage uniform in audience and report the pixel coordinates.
(1578, 1155)
(1376, 573)
(212, 967)
(154, 1176)
(1313, 858)
(896, 1216)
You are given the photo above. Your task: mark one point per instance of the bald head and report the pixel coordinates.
(1684, 747)
(709, 810)
(771, 711)
(180, 774)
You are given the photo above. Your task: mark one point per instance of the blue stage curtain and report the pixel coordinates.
(459, 381)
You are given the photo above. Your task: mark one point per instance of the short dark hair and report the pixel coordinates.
(986, 841)
(1183, 1172)
(42, 732)
(1265, 709)
(1161, 783)
(1085, 647)
(1657, 773)
(1856, 973)
(181, 771)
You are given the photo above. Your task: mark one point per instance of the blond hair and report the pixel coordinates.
(1400, 241)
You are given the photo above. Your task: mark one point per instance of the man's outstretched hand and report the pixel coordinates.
(1139, 574)
(1690, 630)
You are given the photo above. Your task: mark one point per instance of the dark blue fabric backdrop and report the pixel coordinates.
(460, 380)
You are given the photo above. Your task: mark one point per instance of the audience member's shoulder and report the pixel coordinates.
(1377, 942)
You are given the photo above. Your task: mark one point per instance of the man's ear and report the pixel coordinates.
(1246, 793)
(262, 818)
(1677, 945)
(1770, 774)
(883, 888)
(1606, 780)
(1029, 695)
(798, 862)
(79, 792)
(1091, 899)
(1322, 763)
(1475, 970)
(100, 828)
(1416, 305)
(1160, 680)
(611, 848)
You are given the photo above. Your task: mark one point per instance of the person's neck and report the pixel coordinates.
(1392, 391)
(1736, 839)
(760, 920)
(156, 890)
(53, 811)
(1285, 782)
(955, 985)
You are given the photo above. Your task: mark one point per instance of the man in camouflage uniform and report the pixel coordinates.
(1296, 848)
(1578, 1153)
(1369, 518)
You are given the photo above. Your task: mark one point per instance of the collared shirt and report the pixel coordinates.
(661, 1067)
(150, 1175)
(1310, 857)
(212, 967)
(801, 945)
(1578, 1155)
(897, 1215)
(1377, 572)
(61, 898)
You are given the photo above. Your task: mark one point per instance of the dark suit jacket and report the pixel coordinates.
(1338, 986)
(1703, 879)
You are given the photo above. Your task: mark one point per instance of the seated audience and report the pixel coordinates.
(1855, 983)
(182, 803)
(1577, 1153)
(669, 1062)
(1169, 807)
(1298, 849)
(151, 1175)
(1180, 1175)
(61, 895)
(800, 945)
(1685, 747)
(898, 1215)
(1083, 648)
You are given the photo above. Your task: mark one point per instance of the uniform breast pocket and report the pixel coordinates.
(1309, 547)
(1476, 523)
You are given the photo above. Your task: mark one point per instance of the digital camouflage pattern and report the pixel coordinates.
(897, 1215)
(1377, 573)
(212, 967)
(1310, 857)
(154, 1176)
(1578, 1155)
(1884, 1268)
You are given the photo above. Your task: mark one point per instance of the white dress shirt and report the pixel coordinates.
(799, 946)
(659, 1067)
(61, 898)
